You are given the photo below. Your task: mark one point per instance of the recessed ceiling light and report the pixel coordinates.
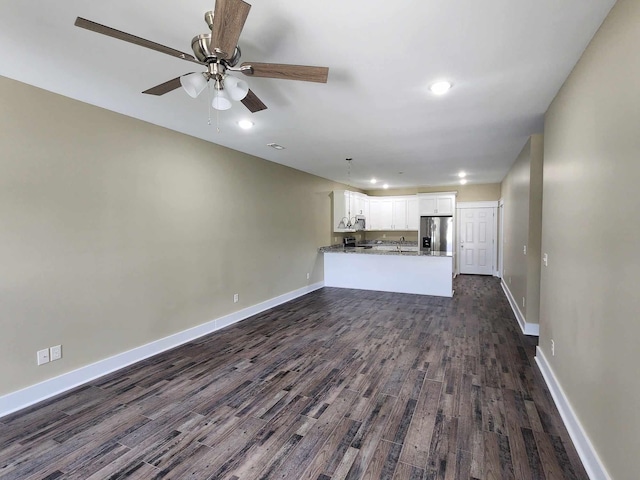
(463, 181)
(439, 88)
(385, 186)
(374, 181)
(462, 174)
(275, 145)
(245, 124)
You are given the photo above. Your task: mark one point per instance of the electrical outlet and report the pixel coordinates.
(335, 239)
(524, 301)
(55, 352)
(525, 249)
(384, 235)
(545, 260)
(308, 275)
(553, 348)
(236, 297)
(43, 356)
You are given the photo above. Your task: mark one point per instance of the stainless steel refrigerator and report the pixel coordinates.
(436, 234)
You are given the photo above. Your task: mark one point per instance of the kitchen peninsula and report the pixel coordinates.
(389, 268)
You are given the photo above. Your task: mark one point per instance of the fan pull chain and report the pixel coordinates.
(209, 101)
(218, 120)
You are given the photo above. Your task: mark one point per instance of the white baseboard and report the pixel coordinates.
(527, 328)
(592, 463)
(20, 399)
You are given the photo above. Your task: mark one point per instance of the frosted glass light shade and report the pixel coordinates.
(236, 88)
(193, 83)
(221, 101)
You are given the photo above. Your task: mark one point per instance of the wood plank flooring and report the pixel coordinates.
(338, 384)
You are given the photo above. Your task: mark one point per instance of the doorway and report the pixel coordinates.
(477, 238)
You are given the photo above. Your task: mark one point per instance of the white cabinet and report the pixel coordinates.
(413, 217)
(374, 213)
(360, 204)
(346, 206)
(436, 204)
(393, 213)
(343, 210)
(399, 220)
(380, 213)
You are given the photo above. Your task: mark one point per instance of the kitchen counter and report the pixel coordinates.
(385, 267)
(385, 249)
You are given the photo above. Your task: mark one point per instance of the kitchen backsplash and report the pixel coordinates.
(391, 236)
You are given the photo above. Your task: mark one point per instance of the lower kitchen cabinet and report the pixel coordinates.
(423, 275)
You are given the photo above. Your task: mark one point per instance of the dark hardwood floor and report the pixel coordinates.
(338, 384)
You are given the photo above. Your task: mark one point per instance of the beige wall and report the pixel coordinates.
(466, 193)
(115, 232)
(522, 197)
(590, 304)
(534, 235)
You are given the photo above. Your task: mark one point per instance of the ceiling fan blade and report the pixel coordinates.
(253, 103)
(127, 37)
(165, 87)
(287, 72)
(228, 20)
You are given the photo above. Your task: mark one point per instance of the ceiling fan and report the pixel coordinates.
(220, 53)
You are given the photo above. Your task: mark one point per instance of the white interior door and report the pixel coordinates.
(477, 240)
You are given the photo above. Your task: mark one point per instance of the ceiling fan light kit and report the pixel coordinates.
(194, 83)
(220, 100)
(237, 89)
(219, 52)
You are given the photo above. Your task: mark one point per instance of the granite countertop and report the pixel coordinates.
(374, 248)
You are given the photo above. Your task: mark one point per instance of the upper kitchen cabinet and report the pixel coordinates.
(399, 214)
(393, 213)
(360, 204)
(436, 204)
(347, 206)
(380, 213)
(413, 217)
(343, 210)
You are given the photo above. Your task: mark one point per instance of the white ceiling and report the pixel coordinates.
(507, 59)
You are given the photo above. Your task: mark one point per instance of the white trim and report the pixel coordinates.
(500, 243)
(592, 463)
(527, 328)
(41, 391)
(454, 192)
(490, 204)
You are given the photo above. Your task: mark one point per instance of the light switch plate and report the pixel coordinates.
(43, 356)
(545, 259)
